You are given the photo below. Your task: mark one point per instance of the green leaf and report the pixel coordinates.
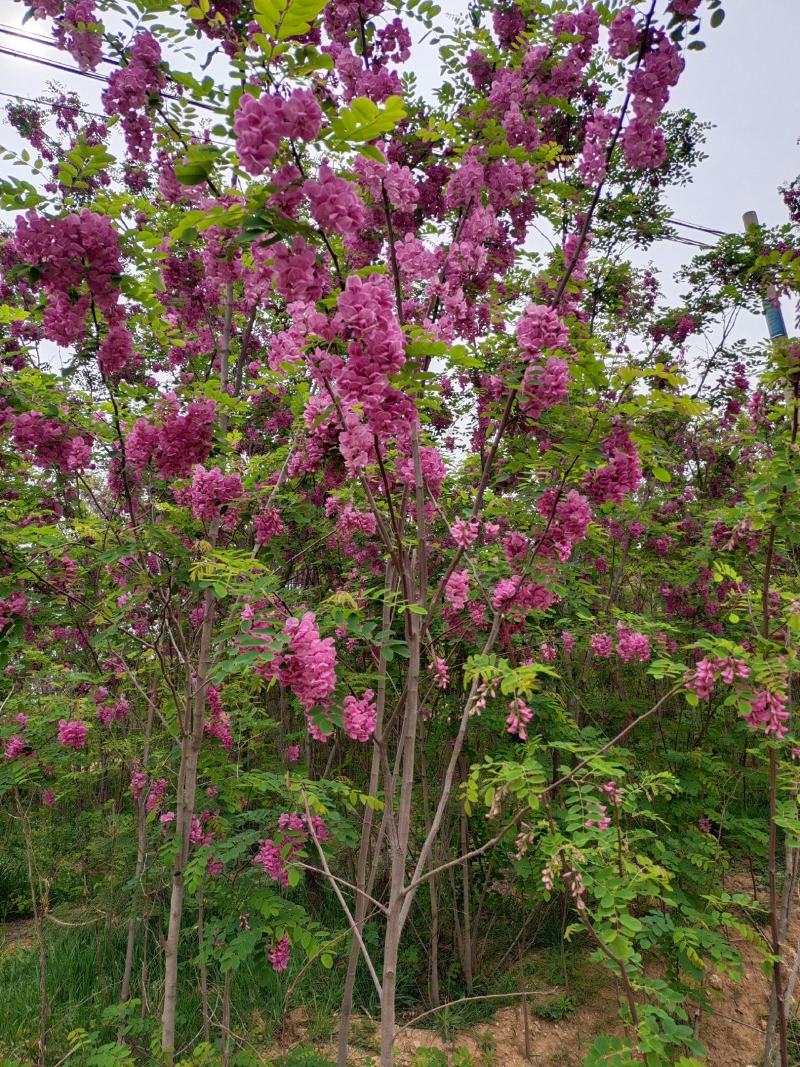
(364, 120)
(718, 18)
(281, 20)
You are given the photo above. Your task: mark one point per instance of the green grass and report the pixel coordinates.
(84, 973)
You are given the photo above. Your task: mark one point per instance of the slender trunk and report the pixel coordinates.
(187, 789)
(399, 850)
(191, 740)
(775, 936)
(141, 856)
(465, 904)
(525, 1017)
(433, 888)
(203, 967)
(401, 829)
(226, 1020)
(366, 829)
(38, 925)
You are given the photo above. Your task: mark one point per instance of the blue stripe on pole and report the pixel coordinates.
(775, 321)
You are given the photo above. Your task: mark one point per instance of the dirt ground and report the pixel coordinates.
(732, 1031)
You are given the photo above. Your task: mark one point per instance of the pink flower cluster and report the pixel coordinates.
(335, 204)
(624, 36)
(465, 533)
(768, 712)
(660, 68)
(456, 590)
(72, 733)
(78, 264)
(274, 857)
(130, 89)
(602, 645)
(372, 408)
(708, 670)
(308, 665)
(280, 954)
(613, 792)
(211, 491)
(218, 724)
(597, 136)
(270, 857)
(632, 645)
(260, 124)
(685, 9)
(360, 716)
(543, 386)
(440, 672)
(567, 517)
(116, 712)
(15, 746)
(267, 524)
(76, 32)
(621, 475)
(540, 328)
(52, 443)
(519, 715)
(602, 820)
(178, 444)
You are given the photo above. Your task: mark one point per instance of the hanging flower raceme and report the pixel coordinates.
(77, 263)
(307, 665)
(566, 518)
(707, 671)
(51, 443)
(621, 475)
(602, 645)
(218, 723)
(456, 590)
(335, 203)
(540, 329)
(77, 33)
(360, 716)
(176, 445)
(768, 712)
(267, 524)
(465, 532)
(519, 715)
(280, 954)
(632, 645)
(130, 90)
(261, 123)
(72, 733)
(211, 491)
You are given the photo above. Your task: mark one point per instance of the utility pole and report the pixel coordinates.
(772, 304)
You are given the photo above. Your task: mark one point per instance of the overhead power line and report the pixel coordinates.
(15, 54)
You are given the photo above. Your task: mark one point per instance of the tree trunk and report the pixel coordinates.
(366, 829)
(141, 855)
(466, 903)
(187, 788)
(38, 926)
(203, 967)
(399, 832)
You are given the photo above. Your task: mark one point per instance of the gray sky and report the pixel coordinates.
(745, 82)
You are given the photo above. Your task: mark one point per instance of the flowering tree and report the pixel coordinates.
(338, 508)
